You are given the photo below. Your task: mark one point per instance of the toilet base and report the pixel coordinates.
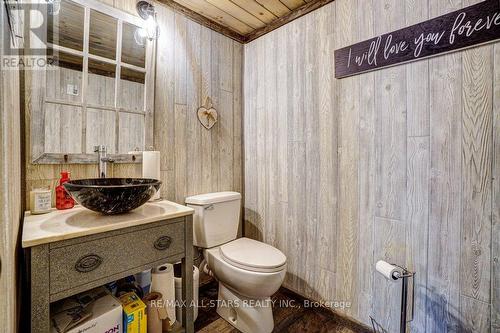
(245, 314)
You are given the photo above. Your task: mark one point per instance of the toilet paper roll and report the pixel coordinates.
(162, 281)
(155, 312)
(151, 168)
(390, 272)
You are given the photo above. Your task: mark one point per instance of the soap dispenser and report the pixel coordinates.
(63, 198)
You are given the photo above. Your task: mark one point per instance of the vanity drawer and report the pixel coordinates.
(81, 263)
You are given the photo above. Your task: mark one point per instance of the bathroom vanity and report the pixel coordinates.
(75, 250)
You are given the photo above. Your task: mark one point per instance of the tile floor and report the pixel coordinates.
(295, 318)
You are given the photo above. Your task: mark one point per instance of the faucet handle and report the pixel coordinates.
(100, 149)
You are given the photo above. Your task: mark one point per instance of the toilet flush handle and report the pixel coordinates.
(209, 207)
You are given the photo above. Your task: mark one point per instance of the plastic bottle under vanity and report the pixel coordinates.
(63, 198)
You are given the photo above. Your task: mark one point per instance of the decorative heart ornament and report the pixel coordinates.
(207, 115)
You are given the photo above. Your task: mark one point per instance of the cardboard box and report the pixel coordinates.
(134, 314)
(102, 311)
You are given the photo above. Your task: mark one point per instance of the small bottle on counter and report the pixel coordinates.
(40, 201)
(63, 198)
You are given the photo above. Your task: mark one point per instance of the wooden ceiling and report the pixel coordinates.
(244, 20)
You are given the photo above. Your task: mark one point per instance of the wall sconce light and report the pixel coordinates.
(150, 28)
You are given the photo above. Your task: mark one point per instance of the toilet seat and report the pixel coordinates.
(252, 255)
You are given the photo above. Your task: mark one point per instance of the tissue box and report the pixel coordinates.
(103, 312)
(134, 314)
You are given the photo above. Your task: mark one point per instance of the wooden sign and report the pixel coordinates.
(207, 115)
(471, 26)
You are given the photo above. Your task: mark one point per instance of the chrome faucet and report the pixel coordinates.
(103, 159)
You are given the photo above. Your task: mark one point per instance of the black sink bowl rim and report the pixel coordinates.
(111, 196)
(111, 183)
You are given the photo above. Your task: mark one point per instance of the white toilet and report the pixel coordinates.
(248, 271)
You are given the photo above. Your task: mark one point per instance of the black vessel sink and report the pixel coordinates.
(112, 195)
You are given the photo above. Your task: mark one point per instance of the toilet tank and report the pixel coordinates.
(216, 218)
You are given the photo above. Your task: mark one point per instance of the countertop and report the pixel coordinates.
(79, 221)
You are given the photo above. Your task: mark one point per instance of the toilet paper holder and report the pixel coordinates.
(403, 275)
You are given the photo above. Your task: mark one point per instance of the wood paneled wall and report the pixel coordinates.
(44, 175)
(401, 164)
(10, 181)
(193, 63)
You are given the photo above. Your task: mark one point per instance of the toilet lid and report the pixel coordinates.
(253, 255)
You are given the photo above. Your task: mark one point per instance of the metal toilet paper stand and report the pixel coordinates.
(404, 275)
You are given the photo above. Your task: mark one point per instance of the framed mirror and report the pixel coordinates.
(99, 89)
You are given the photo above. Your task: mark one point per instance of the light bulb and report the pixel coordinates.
(150, 27)
(142, 33)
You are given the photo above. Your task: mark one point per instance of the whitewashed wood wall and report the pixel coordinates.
(10, 182)
(400, 164)
(193, 63)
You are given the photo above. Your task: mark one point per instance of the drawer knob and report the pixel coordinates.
(88, 263)
(162, 243)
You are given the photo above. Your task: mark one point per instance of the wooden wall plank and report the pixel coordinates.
(194, 130)
(180, 140)
(296, 216)
(296, 153)
(476, 315)
(476, 172)
(164, 102)
(308, 230)
(389, 245)
(495, 246)
(296, 115)
(445, 191)
(348, 213)
(260, 140)
(282, 108)
(366, 171)
(250, 154)
(418, 165)
(206, 91)
(237, 116)
(390, 164)
(269, 82)
(130, 132)
(226, 138)
(477, 126)
(390, 100)
(417, 198)
(215, 96)
(225, 59)
(10, 182)
(180, 57)
(327, 205)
